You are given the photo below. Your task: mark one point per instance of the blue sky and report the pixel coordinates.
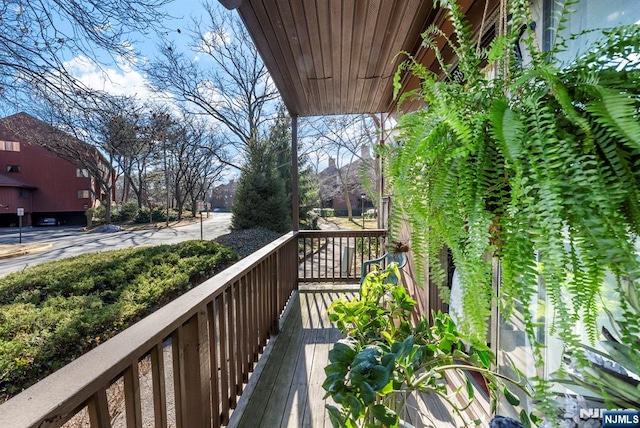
(123, 78)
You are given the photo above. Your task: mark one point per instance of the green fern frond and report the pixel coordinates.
(618, 113)
(507, 129)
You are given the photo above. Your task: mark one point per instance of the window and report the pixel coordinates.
(593, 15)
(82, 172)
(514, 346)
(21, 193)
(9, 146)
(13, 168)
(84, 194)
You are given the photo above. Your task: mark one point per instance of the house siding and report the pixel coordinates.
(53, 179)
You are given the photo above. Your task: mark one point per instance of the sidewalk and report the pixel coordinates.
(325, 224)
(16, 250)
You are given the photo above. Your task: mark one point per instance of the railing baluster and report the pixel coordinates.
(195, 388)
(253, 318)
(99, 410)
(231, 339)
(319, 254)
(305, 256)
(247, 358)
(238, 336)
(340, 256)
(326, 254)
(159, 386)
(265, 306)
(132, 396)
(177, 375)
(313, 255)
(224, 373)
(214, 364)
(273, 285)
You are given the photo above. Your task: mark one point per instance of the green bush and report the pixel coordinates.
(327, 212)
(52, 313)
(99, 214)
(142, 216)
(128, 211)
(159, 215)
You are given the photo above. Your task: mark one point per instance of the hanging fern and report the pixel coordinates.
(539, 167)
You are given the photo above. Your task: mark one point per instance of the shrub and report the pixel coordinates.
(327, 212)
(128, 211)
(312, 219)
(54, 312)
(142, 216)
(99, 214)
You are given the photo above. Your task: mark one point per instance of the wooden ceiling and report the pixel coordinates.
(337, 56)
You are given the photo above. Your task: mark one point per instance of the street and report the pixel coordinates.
(72, 241)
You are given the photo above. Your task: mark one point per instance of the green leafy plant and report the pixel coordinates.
(385, 356)
(537, 166)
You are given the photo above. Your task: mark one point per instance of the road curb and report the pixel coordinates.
(23, 252)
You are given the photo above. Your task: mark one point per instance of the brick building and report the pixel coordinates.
(40, 181)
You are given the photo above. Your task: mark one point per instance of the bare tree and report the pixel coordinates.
(105, 124)
(234, 88)
(39, 37)
(347, 140)
(193, 169)
(127, 141)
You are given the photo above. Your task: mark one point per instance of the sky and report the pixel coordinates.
(128, 79)
(124, 78)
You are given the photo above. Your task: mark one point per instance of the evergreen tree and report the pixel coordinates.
(280, 145)
(261, 199)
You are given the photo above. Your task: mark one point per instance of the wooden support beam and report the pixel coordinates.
(295, 199)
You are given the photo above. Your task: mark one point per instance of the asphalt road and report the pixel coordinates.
(72, 241)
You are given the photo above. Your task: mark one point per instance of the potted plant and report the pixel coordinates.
(385, 356)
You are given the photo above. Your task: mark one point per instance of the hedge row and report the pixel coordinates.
(52, 313)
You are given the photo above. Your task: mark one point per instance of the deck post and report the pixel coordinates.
(295, 203)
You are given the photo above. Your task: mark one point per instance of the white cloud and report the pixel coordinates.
(123, 80)
(211, 40)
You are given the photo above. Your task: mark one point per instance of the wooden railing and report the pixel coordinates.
(186, 364)
(337, 255)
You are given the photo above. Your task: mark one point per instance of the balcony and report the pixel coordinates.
(245, 348)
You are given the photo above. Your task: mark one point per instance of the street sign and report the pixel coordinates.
(20, 212)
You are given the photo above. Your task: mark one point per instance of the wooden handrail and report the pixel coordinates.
(188, 321)
(215, 333)
(337, 255)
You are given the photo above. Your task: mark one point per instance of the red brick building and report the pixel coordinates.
(224, 195)
(38, 180)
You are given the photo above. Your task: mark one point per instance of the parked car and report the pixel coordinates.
(47, 221)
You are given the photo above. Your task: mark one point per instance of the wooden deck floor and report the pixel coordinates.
(286, 391)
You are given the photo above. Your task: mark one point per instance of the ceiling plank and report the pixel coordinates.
(339, 56)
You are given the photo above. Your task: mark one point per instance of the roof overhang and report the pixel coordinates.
(339, 56)
(6, 181)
